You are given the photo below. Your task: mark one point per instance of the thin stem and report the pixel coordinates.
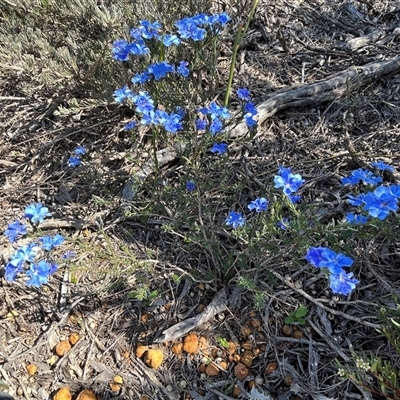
(238, 41)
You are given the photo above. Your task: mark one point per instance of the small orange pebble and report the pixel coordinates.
(247, 358)
(144, 318)
(153, 358)
(177, 348)
(31, 368)
(288, 380)
(245, 331)
(202, 341)
(140, 350)
(200, 308)
(224, 365)
(236, 392)
(115, 387)
(202, 367)
(286, 330)
(255, 323)
(247, 346)
(63, 348)
(252, 384)
(212, 370)
(168, 306)
(118, 379)
(73, 338)
(232, 346)
(201, 286)
(271, 367)
(86, 395)
(63, 394)
(236, 358)
(241, 371)
(256, 352)
(297, 334)
(191, 343)
(126, 354)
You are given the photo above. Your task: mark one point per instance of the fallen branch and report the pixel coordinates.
(300, 96)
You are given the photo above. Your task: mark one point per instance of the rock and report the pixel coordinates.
(63, 394)
(153, 358)
(191, 343)
(63, 348)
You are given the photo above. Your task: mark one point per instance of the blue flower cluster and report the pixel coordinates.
(194, 28)
(340, 281)
(75, 161)
(24, 258)
(377, 203)
(290, 183)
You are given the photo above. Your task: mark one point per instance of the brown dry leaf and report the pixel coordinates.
(73, 338)
(31, 368)
(191, 343)
(63, 348)
(63, 394)
(86, 395)
(212, 370)
(241, 372)
(153, 358)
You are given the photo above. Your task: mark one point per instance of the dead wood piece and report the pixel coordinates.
(217, 305)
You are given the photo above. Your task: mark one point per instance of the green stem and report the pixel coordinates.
(238, 41)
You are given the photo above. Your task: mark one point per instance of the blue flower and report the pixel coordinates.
(294, 198)
(36, 213)
(288, 181)
(382, 166)
(216, 126)
(182, 69)
(190, 186)
(260, 204)
(80, 151)
(201, 124)
(219, 19)
(357, 219)
(188, 29)
(250, 121)
(74, 162)
(283, 224)
(11, 270)
(24, 253)
(139, 48)
(217, 111)
(120, 50)
(324, 257)
(130, 125)
(15, 229)
(141, 78)
(68, 254)
(48, 242)
(39, 273)
(235, 219)
(150, 117)
(314, 255)
(171, 122)
(363, 175)
(356, 200)
(180, 111)
(143, 102)
(243, 94)
(395, 190)
(149, 30)
(380, 202)
(219, 148)
(120, 95)
(169, 40)
(160, 70)
(342, 283)
(250, 108)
